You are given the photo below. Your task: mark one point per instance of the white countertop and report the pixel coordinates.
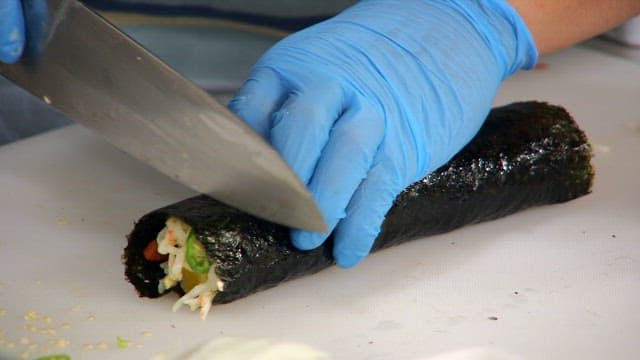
(563, 281)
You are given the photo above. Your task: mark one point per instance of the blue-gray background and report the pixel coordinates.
(216, 57)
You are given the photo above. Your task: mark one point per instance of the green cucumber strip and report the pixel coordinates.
(196, 255)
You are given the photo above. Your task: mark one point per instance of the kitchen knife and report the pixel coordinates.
(83, 66)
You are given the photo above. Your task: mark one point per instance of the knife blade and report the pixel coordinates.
(86, 68)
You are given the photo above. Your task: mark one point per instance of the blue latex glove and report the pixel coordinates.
(372, 100)
(11, 30)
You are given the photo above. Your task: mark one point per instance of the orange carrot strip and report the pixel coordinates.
(171, 241)
(151, 252)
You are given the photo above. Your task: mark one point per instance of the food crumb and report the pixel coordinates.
(146, 333)
(91, 317)
(65, 326)
(31, 315)
(102, 345)
(603, 149)
(633, 126)
(160, 356)
(139, 346)
(24, 341)
(76, 308)
(30, 327)
(3, 312)
(87, 347)
(493, 318)
(60, 342)
(46, 100)
(47, 331)
(25, 354)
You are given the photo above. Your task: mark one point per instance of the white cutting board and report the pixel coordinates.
(563, 281)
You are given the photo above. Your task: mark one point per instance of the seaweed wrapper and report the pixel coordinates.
(526, 154)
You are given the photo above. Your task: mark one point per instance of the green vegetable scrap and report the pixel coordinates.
(55, 357)
(122, 343)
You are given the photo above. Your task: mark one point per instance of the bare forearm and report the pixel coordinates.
(556, 24)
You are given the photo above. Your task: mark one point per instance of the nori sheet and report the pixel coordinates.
(526, 154)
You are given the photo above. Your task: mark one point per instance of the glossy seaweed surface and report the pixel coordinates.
(526, 154)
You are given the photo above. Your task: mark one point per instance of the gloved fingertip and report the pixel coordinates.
(260, 95)
(242, 96)
(305, 240)
(10, 53)
(238, 105)
(235, 104)
(348, 260)
(12, 47)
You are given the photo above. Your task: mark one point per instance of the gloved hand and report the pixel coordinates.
(11, 30)
(372, 100)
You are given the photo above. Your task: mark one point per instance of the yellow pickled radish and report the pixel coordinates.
(191, 279)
